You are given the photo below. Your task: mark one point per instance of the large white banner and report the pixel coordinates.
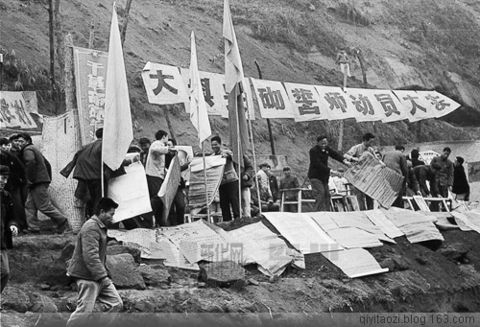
(168, 84)
(272, 98)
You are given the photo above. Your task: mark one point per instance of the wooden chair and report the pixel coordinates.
(298, 202)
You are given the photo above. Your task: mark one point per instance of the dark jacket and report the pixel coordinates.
(37, 167)
(423, 174)
(443, 169)
(7, 219)
(86, 163)
(17, 170)
(460, 183)
(248, 172)
(319, 162)
(88, 260)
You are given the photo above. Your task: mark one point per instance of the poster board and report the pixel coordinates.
(130, 191)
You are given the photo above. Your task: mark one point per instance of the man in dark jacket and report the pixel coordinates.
(460, 182)
(443, 169)
(8, 226)
(17, 183)
(246, 183)
(228, 189)
(319, 172)
(39, 176)
(424, 174)
(88, 268)
(87, 169)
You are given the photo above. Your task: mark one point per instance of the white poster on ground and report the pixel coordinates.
(130, 191)
(302, 232)
(260, 245)
(355, 262)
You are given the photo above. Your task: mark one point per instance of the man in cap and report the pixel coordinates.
(8, 226)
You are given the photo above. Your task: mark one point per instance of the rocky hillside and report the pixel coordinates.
(414, 44)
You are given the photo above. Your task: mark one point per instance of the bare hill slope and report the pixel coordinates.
(426, 43)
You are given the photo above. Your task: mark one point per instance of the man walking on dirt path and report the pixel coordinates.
(39, 175)
(87, 266)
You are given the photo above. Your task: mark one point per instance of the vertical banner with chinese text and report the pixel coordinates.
(90, 72)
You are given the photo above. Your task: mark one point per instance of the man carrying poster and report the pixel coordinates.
(155, 170)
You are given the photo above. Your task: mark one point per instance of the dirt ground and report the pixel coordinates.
(420, 280)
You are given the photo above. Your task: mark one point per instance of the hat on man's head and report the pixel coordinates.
(460, 160)
(4, 170)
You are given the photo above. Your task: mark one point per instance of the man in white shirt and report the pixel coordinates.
(155, 171)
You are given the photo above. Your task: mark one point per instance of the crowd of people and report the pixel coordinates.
(25, 176)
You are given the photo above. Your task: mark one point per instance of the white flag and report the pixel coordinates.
(117, 129)
(198, 107)
(233, 62)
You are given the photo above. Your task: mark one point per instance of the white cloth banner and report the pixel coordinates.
(306, 102)
(164, 84)
(130, 191)
(213, 86)
(272, 99)
(14, 111)
(167, 84)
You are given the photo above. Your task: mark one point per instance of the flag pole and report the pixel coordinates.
(210, 219)
(250, 129)
(239, 164)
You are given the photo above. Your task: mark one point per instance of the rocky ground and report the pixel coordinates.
(420, 280)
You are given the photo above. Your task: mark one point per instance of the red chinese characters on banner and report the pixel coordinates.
(90, 74)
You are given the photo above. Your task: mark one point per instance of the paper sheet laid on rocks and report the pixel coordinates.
(130, 191)
(261, 246)
(355, 262)
(153, 245)
(302, 232)
(466, 221)
(417, 226)
(347, 235)
(197, 241)
(380, 220)
(360, 220)
(376, 180)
